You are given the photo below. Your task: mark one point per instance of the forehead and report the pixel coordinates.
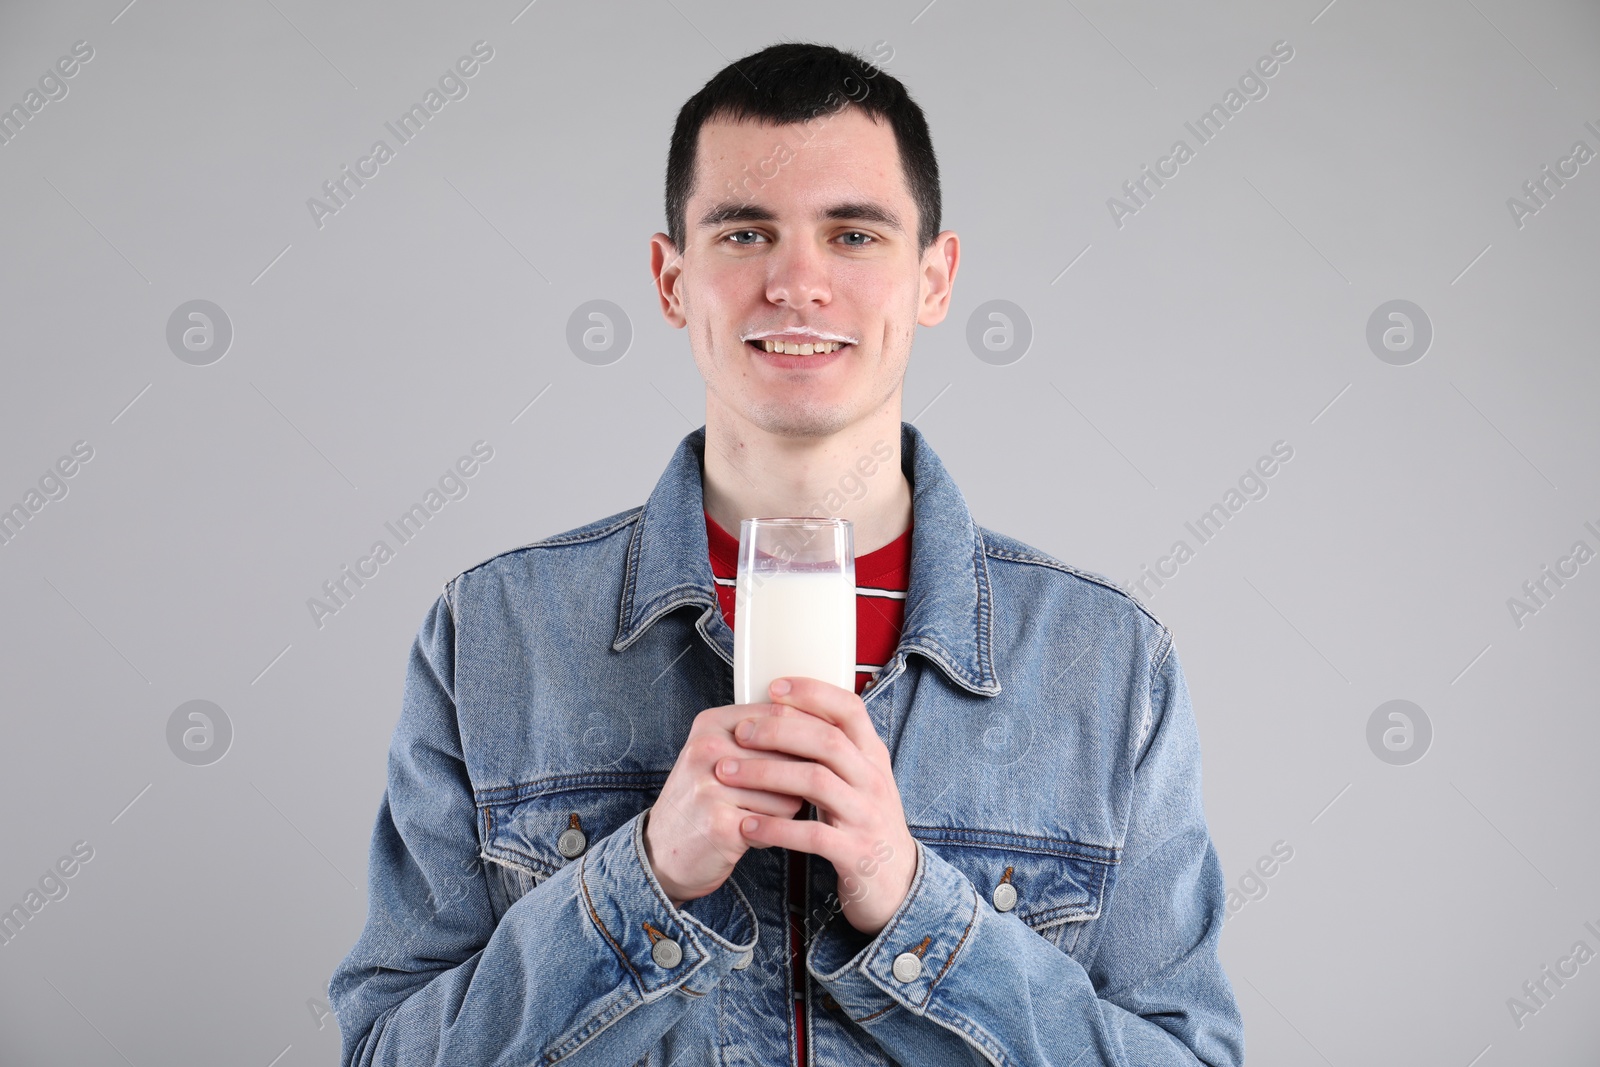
(843, 155)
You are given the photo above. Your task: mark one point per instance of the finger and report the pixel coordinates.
(813, 739)
(729, 717)
(803, 778)
(833, 704)
(762, 801)
(801, 835)
(739, 751)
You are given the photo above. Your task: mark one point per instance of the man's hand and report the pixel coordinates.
(691, 833)
(843, 768)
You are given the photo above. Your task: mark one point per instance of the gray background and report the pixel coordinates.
(1229, 313)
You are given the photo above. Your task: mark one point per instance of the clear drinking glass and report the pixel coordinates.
(794, 609)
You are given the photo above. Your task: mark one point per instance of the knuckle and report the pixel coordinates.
(703, 791)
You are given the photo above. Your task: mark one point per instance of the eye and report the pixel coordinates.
(739, 233)
(857, 233)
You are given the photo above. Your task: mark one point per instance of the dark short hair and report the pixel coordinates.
(792, 83)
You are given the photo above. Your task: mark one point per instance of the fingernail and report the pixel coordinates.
(730, 766)
(745, 729)
(749, 824)
(780, 687)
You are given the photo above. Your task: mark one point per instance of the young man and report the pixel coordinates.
(993, 850)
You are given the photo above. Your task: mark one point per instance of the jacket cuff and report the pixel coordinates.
(914, 950)
(664, 948)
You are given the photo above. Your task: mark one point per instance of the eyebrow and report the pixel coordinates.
(849, 211)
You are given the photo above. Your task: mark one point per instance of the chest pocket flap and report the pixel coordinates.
(534, 834)
(1044, 881)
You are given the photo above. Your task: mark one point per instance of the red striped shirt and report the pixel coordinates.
(882, 578)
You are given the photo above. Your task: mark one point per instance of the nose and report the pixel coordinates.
(797, 275)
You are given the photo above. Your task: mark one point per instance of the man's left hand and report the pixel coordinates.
(845, 771)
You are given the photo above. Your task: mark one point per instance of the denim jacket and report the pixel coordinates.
(1067, 900)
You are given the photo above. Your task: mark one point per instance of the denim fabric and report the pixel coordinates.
(1042, 737)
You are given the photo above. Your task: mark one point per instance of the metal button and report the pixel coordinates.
(907, 966)
(1005, 896)
(572, 842)
(743, 961)
(666, 952)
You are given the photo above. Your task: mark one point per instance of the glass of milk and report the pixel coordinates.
(794, 611)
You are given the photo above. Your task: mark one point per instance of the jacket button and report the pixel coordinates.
(743, 961)
(571, 843)
(907, 966)
(1005, 896)
(829, 1003)
(666, 952)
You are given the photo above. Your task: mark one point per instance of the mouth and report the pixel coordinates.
(816, 348)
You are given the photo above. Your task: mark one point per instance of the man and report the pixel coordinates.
(993, 851)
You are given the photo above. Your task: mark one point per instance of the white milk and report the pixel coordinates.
(793, 623)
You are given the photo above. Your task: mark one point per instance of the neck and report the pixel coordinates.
(854, 474)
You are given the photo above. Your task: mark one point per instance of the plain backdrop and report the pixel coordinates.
(1171, 343)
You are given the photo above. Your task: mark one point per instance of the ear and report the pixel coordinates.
(939, 264)
(666, 269)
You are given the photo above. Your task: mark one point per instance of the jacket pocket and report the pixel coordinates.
(531, 831)
(1054, 885)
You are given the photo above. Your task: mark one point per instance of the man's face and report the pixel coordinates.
(805, 234)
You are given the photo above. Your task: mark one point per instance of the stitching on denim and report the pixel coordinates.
(553, 784)
(985, 610)
(942, 656)
(972, 1031)
(755, 923)
(1097, 933)
(631, 581)
(1147, 725)
(634, 839)
(610, 1011)
(1074, 913)
(951, 958)
(1164, 649)
(697, 596)
(570, 538)
(630, 575)
(888, 933)
(594, 915)
(535, 861)
(449, 602)
(1055, 564)
(563, 539)
(1102, 854)
(508, 864)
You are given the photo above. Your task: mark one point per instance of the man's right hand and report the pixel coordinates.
(691, 834)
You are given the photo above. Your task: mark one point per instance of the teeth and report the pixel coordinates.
(802, 350)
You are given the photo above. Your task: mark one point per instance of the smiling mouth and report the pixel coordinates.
(791, 349)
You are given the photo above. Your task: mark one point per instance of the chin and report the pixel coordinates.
(807, 421)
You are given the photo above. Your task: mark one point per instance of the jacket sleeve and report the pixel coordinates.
(568, 975)
(980, 986)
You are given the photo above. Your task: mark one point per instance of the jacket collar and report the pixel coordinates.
(949, 604)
